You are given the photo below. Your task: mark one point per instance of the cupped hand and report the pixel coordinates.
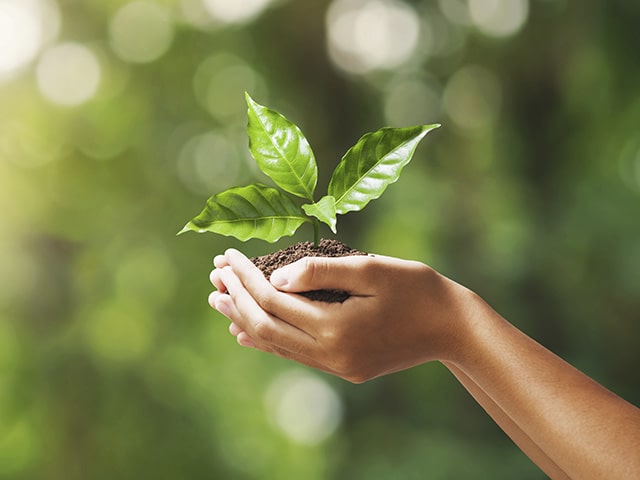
(400, 313)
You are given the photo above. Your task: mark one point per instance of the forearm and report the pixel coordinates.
(581, 427)
(519, 437)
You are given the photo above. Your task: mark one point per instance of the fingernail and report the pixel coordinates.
(245, 341)
(223, 307)
(278, 279)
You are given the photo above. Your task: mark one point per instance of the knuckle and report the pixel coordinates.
(349, 367)
(266, 298)
(343, 364)
(315, 269)
(369, 267)
(266, 301)
(263, 331)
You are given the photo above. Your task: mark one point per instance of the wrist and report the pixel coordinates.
(469, 317)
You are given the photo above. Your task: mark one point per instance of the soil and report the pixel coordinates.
(326, 248)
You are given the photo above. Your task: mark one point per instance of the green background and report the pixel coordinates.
(112, 365)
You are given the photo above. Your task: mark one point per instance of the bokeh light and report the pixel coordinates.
(209, 162)
(499, 18)
(303, 406)
(439, 36)
(456, 11)
(29, 147)
(141, 32)
(220, 82)
(25, 27)
(472, 98)
(369, 35)
(235, 12)
(68, 74)
(412, 100)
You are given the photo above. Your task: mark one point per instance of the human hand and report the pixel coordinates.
(400, 313)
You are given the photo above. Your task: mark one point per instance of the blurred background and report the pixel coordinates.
(118, 119)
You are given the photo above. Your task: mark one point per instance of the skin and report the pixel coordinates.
(402, 314)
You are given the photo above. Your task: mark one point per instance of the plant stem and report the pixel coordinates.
(316, 233)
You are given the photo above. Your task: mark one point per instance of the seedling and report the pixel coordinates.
(283, 154)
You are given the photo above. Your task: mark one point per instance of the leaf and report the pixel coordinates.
(281, 150)
(254, 211)
(324, 210)
(372, 164)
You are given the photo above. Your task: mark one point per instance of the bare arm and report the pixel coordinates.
(403, 314)
(519, 437)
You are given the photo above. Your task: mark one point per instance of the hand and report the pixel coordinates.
(400, 313)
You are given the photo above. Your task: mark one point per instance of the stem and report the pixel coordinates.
(316, 233)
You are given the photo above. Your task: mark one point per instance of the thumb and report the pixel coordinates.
(319, 273)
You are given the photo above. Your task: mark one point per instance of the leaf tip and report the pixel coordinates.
(250, 101)
(185, 229)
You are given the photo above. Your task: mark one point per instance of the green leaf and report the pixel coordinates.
(254, 211)
(324, 210)
(372, 164)
(281, 150)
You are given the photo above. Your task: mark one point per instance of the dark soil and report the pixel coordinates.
(326, 248)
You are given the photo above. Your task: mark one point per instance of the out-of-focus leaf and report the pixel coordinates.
(254, 211)
(324, 210)
(372, 164)
(281, 150)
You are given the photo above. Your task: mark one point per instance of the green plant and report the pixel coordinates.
(283, 154)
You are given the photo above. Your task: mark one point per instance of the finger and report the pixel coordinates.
(296, 357)
(263, 327)
(293, 309)
(351, 274)
(245, 340)
(234, 329)
(223, 303)
(219, 261)
(214, 278)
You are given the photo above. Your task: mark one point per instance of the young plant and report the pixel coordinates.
(283, 154)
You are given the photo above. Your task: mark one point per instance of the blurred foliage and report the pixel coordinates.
(119, 118)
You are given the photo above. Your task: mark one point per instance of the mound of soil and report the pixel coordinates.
(326, 248)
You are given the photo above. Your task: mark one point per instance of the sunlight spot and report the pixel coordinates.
(68, 74)
(369, 35)
(439, 36)
(25, 26)
(33, 144)
(472, 98)
(208, 162)
(456, 11)
(220, 82)
(499, 18)
(303, 406)
(141, 32)
(412, 101)
(235, 11)
(194, 13)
